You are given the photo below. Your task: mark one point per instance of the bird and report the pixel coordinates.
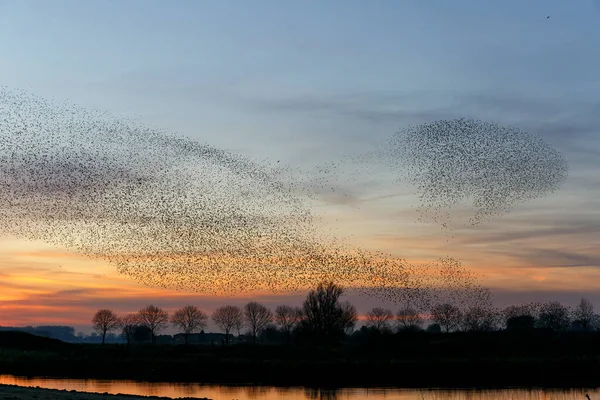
(168, 211)
(548, 17)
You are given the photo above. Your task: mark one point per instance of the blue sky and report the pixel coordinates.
(311, 81)
(272, 72)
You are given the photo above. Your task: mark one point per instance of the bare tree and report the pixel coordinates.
(324, 315)
(519, 317)
(554, 316)
(584, 314)
(257, 316)
(189, 319)
(287, 318)
(154, 318)
(447, 316)
(239, 325)
(105, 321)
(349, 316)
(408, 319)
(228, 318)
(380, 318)
(480, 319)
(128, 323)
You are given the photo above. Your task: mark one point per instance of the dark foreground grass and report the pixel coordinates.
(422, 360)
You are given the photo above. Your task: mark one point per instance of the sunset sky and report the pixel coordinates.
(308, 82)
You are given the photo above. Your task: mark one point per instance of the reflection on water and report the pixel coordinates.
(216, 392)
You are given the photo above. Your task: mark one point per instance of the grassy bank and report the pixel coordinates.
(424, 360)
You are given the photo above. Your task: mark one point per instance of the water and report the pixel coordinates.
(217, 392)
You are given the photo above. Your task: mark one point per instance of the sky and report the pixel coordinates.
(307, 82)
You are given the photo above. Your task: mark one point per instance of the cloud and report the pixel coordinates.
(570, 297)
(538, 229)
(370, 107)
(561, 118)
(553, 258)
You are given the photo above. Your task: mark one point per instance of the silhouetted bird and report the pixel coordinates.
(165, 209)
(588, 396)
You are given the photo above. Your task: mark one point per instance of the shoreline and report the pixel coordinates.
(456, 360)
(16, 392)
(431, 374)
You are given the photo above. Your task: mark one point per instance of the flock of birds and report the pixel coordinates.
(170, 212)
(467, 162)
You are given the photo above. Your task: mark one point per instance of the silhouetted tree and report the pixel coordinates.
(128, 323)
(584, 314)
(324, 316)
(434, 328)
(379, 318)
(408, 319)
(287, 318)
(257, 316)
(141, 334)
(554, 316)
(271, 334)
(154, 318)
(448, 316)
(105, 321)
(480, 319)
(512, 313)
(188, 320)
(520, 323)
(228, 318)
(239, 325)
(349, 316)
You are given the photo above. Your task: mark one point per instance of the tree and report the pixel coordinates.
(189, 319)
(228, 318)
(584, 314)
(480, 319)
(408, 319)
(520, 323)
(554, 316)
(434, 328)
(324, 317)
(380, 318)
(128, 323)
(141, 334)
(154, 318)
(447, 316)
(349, 316)
(239, 324)
(287, 318)
(520, 316)
(105, 321)
(257, 316)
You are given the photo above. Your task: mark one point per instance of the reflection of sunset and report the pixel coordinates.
(176, 390)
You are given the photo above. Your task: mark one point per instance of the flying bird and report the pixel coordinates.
(170, 212)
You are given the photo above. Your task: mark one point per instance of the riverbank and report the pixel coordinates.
(489, 374)
(494, 360)
(11, 392)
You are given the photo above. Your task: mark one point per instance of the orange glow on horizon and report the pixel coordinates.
(44, 285)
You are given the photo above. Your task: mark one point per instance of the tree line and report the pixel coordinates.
(322, 315)
(323, 318)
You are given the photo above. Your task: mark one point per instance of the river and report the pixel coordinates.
(219, 392)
